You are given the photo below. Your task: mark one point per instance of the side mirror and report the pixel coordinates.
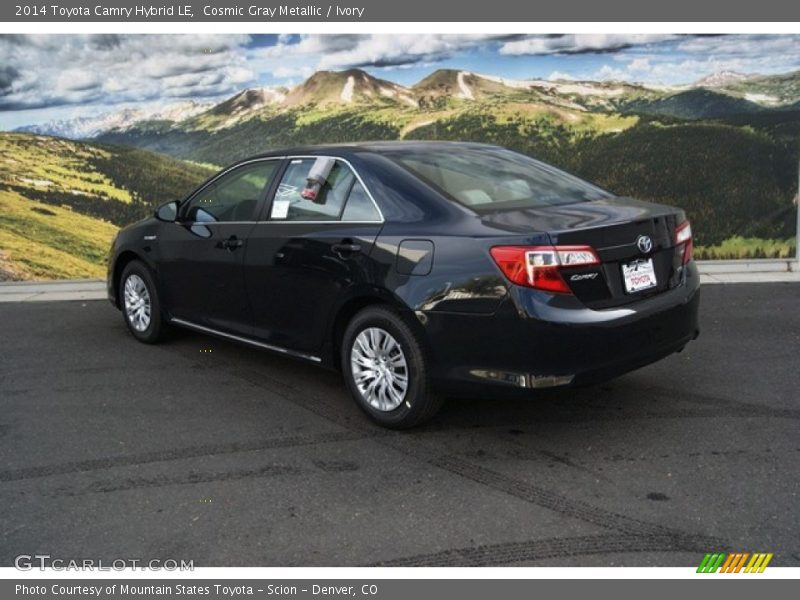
(167, 212)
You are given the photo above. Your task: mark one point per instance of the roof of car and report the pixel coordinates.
(373, 147)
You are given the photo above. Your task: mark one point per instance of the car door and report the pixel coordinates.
(201, 254)
(311, 246)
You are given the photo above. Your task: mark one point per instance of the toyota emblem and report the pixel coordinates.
(644, 243)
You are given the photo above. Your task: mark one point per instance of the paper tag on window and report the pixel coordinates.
(280, 209)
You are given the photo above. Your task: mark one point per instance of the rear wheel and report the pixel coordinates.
(386, 370)
(141, 307)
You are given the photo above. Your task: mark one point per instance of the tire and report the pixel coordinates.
(137, 288)
(378, 350)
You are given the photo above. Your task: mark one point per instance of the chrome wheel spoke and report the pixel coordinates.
(373, 340)
(361, 360)
(395, 394)
(401, 379)
(363, 345)
(397, 361)
(379, 369)
(388, 343)
(138, 306)
(364, 377)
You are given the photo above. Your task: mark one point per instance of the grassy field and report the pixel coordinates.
(39, 241)
(741, 247)
(55, 165)
(61, 202)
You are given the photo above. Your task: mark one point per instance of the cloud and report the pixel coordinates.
(578, 43)
(692, 58)
(296, 55)
(560, 76)
(80, 72)
(77, 80)
(609, 73)
(742, 46)
(639, 65)
(7, 77)
(47, 70)
(287, 72)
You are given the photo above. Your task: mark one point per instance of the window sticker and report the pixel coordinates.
(284, 189)
(280, 209)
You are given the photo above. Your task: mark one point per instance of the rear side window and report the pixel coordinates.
(321, 189)
(490, 178)
(359, 206)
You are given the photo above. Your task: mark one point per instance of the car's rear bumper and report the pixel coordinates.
(539, 340)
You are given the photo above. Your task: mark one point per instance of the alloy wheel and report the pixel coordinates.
(138, 305)
(379, 369)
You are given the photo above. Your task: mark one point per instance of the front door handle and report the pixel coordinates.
(346, 247)
(232, 243)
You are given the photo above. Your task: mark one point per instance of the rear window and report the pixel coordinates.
(494, 178)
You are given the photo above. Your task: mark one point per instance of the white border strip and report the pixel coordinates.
(791, 27)
(394, 29)
(378, 573)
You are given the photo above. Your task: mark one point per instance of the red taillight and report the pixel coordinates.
(540, 266)
(683, 235)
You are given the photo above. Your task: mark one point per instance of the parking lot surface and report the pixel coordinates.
(203, 450)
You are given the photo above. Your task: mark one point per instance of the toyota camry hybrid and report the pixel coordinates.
(419, 269)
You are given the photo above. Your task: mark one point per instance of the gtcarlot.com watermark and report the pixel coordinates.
(43, 562)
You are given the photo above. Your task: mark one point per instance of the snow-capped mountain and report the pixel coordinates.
(353, 86)
(179, 111)
(717, 94)
(721, 79)
(89, 127)
(250, 100)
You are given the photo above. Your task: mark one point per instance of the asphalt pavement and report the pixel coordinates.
(203, 450)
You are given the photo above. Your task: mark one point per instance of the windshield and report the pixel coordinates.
(490, 178)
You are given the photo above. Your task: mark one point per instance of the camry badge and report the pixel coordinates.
(582, 276)
(644, 243)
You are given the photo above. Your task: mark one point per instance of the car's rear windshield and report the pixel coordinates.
(490, 178)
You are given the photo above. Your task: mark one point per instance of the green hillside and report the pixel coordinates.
(726, 152)
(732, 180)
(694, 104)
(271, 130)
(62, 201)
(779, 90)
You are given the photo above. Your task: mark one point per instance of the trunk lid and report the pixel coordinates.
(612, 227)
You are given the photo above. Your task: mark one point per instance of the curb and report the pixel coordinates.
(749, 271)
(51, 291)
(711, 272)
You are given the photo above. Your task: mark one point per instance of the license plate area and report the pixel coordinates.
(639, 275)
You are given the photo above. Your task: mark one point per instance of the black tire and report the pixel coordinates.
(156, 329)
(419, 404)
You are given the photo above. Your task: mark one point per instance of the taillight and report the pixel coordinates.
(540, 266)
(683, 235)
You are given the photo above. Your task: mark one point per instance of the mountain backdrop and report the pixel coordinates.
(725, 148)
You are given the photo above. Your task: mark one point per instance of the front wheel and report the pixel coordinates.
(140, 302)
(386, 370)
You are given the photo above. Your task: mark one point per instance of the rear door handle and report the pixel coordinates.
(232, 243)
(346, 248)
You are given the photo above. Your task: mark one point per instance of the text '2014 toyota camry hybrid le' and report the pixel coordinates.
(419, 269)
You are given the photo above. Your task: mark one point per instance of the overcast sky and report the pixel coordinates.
(65, 76)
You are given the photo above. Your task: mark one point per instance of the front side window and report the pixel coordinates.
(234, 196)
(490, 178)
(320, 189)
